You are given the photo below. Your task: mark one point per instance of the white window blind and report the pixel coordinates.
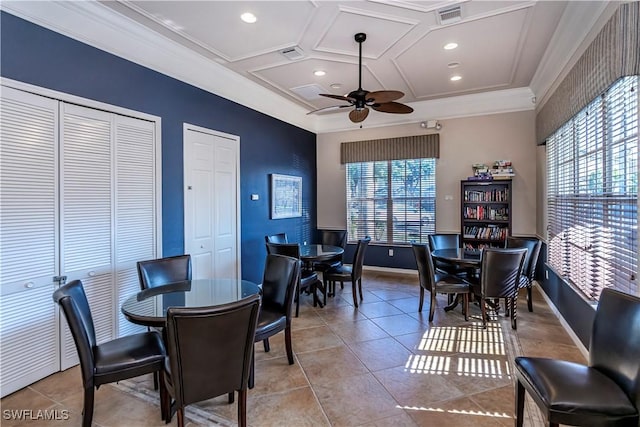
(391, 201)
(592, 194)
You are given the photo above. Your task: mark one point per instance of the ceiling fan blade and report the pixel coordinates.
(329, 108)
(356, 116)
(383, 96)
(392, 107)
(340, 97)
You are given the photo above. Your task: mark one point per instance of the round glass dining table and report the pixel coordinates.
(149, 307)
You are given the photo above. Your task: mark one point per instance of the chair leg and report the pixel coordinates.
(265, 343)
(155, 380)
(242, 408)
(287, 343)
(180, 416)
(529, 298)
(354, 291)
(514, 311)
(87, 411)
(165, 399)
(519, 404)
(421, 299)
(360, 288)
(297, 299)
(252, 370)
(232, 397)
(483, 311)
(432, 305)
(465, 306)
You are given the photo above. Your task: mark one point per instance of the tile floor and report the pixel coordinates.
(380, 365)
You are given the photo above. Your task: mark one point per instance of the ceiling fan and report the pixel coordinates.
(382, 100)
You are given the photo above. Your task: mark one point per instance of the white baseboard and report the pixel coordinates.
(565, 325)
(390, 270)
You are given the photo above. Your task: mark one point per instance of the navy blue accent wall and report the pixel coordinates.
(41, 57)
(577, 312)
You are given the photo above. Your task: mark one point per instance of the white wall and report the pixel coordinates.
(463, 142)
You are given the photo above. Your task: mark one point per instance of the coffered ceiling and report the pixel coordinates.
(504, 49)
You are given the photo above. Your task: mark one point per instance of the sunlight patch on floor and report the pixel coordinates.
(465, 339)
(456, 411)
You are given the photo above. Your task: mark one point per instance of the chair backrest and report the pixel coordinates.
(358, 258)
(276, 238)
(286, 249)
(444, 241)
(161, 271)
(75, 306)
(334, 237)
(426, 269)
(533, 246)
(281, 276)
(615, 344)
(210, 348)
(500, 271)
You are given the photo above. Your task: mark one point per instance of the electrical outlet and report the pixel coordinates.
(390, 252)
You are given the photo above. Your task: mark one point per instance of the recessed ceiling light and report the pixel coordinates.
(450, 46)
(336, 86)
(453, 64)
(319, 73)
(455, 78)
(248, 17)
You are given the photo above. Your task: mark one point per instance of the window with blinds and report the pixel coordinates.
(592, 194)
(391, 201)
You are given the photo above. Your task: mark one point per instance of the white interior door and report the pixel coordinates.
(211, 164)
(28, 238)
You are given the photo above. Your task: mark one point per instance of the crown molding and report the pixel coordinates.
(99, 26)
(479, 104)
(580, 23)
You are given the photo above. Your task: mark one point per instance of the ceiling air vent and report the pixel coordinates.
(449, 15)
(292, 53)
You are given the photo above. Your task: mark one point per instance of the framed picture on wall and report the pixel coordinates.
(286, 196)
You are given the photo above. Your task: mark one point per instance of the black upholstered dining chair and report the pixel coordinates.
(281, 275)
(162, 271)
(333, 238)
(125, 357)
(500, 271)
(438, 282)
(308, 278)
(210, 351)
(276, 238)
(445, 241)
(528, 275)
(348, 273)
(606, 392)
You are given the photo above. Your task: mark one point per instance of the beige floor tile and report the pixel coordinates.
(356, 400)
(461, 412)
(400, 324)
(276, 375)
(376, 309)
(361, 330)
(332, 363)
(381, 353)
(293, 408)
(312, 339)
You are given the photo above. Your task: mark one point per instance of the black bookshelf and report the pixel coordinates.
(485, 213)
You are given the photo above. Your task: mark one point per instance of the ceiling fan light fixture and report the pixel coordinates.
(455, 78)
(360, 100)
(450, 46)
(319, 73)
(249, 18)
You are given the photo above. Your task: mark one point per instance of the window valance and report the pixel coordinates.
(614, 53)
(400, 148)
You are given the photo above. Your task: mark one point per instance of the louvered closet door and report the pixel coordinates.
(86, 203)
(135, 208)
(28, 234)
